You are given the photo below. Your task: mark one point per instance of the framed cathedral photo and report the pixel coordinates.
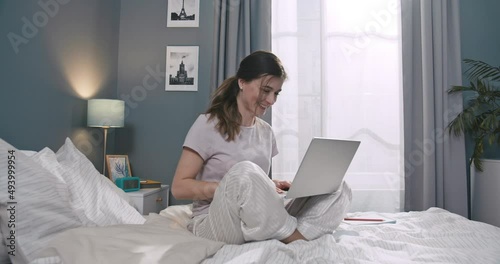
(183, 13)
(181, 68)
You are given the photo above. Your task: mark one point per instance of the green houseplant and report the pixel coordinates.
(480, 117)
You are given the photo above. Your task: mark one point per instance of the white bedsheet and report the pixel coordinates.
(432, 236)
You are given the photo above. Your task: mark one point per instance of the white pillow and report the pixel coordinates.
(102, 201)
(43, 205)
(48, 160)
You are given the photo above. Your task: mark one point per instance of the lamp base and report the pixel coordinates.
(104, 151)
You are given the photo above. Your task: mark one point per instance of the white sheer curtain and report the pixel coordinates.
(343, 58)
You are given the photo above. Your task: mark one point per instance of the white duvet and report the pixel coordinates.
(432, 236)
(162, 239)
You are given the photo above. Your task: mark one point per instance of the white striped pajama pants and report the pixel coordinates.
(246, 207)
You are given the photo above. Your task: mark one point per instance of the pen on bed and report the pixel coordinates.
(364, 219)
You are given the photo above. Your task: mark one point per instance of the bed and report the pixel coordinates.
(66, 212)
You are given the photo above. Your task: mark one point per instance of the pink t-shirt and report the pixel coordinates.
(256, 144)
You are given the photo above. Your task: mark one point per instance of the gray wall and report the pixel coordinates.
(481, 41)
(65, 53)
(99, 49)
(156, 120)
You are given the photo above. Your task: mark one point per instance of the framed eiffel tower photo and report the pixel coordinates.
(183, 13)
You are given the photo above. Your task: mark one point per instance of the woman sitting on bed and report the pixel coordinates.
(225, 163)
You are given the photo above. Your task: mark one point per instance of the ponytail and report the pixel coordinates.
(225, 108)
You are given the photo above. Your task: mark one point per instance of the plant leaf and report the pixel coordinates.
(478, 152)
(491, 139)
(478, 164)
(480, 70)
(457, 88)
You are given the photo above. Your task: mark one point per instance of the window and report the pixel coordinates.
(343, 59)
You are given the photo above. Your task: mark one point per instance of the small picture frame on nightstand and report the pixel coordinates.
(118, 167)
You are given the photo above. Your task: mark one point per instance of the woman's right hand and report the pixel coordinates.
(282, 186)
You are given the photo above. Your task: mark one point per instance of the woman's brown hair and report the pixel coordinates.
(224, 105)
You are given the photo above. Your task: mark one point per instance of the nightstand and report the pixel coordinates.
(150, 200)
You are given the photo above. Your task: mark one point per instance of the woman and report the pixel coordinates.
(225, 163)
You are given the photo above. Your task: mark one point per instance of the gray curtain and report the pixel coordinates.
(241, 27)
(435, 164)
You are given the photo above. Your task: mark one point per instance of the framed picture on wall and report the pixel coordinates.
(183, 13)
(181, 68)
(118, 166)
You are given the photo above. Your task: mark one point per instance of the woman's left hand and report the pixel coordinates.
(282, 186)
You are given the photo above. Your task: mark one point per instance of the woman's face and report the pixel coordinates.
(259, 94)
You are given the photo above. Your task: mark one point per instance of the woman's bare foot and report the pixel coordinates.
(294, 236)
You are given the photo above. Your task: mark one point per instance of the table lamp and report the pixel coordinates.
(105, 113)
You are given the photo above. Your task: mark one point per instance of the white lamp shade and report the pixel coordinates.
(105, 113)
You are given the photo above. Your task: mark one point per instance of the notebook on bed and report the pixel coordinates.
(323, 167)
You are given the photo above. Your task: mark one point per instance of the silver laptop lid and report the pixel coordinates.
(323, 167)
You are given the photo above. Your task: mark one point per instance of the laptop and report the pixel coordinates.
(323, 167)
